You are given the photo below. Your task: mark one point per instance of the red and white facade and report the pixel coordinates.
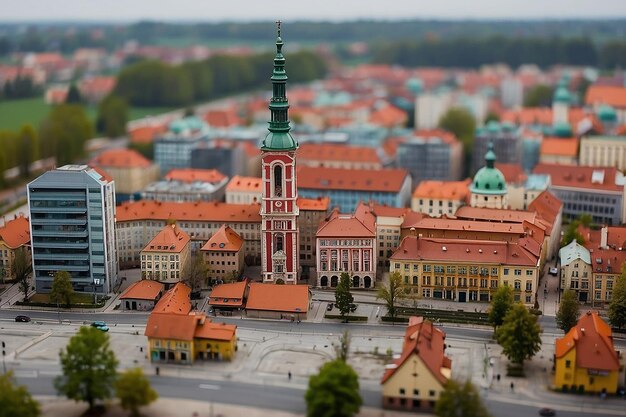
(279, 217)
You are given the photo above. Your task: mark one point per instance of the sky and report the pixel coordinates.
(334, 10)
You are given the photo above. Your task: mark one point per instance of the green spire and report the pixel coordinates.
(279, 138)
(490, 156)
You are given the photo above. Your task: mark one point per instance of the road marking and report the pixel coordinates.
(52, 373)
(25, 374)
(208, 386)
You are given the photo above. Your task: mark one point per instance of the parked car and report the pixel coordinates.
(547, 412)
(100, 325)
(554, 271)
(22, 319)
(330, 306)
(353, 308)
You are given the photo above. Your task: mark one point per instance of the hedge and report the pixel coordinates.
(34, 304)
(349, 318)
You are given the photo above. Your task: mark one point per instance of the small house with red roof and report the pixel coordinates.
(14, 234)
(243, 190)
(280, 302)
(585, 359)
(229, 296)
(416, 379)
(438, 198)
(142, 295)
(223, 254)
(167, 256)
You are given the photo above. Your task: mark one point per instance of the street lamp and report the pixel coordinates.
(96, 282)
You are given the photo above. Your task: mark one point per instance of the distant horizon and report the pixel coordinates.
(197, 11)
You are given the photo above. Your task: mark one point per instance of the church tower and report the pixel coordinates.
(279, 212)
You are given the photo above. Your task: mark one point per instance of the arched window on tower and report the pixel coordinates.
(278, 181)
(278, 242)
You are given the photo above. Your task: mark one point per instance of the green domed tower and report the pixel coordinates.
(489, 186)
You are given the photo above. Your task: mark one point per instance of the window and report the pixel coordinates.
(278, 181)
(568, 364)
(401, 391)
(416, 392)
(506, 271)
(518, 272)
(518, 285)
(529, 285)
(529, 272)
(431, 393)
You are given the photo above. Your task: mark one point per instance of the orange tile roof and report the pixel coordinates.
(97, 85)
(580, 176)
(120, 158)
(146, 133)
(443, 223)
(335, 152)
(496, 215)
(388, 116)
(175, 300)
(348, 225)
(616, 237)
(411, 218)
(559, 147)
(443, 190)
(224, 239)
(382, 210)
(313, 204)
(383, 180)
(16, 232)
(593, 341)
(187, 327)
(547, 206)
(431, 134)
(272, 297)
(605, 94)
(188, 211)
(513, 173)
(426, 341)
(206, 329)
(229, 295)
(190, 175)
(222, 117)
(466, 250)
(239, 183)
(170, 239)
(540, 116)
(146, 289)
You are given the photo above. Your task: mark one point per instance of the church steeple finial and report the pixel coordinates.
(279, 137)
(490, 156)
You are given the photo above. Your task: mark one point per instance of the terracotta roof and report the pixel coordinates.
(382, 210)
(413, 217)
(104, 176)
(605, 94)
(97, 85)
(540, 116)
(384, 180)
(547, 206)
(360, 224)
(426, 341)
(454, 250)
(513, 173)
(190, 175)
(187, 327)
(170, 239)
(443, 190)
(334, 152)
(616, 236)
(206, 329)
(272, 297)
(596, 178)
(222, 117)
(224, 239)
(231, 294)
(188, 211)
(496, 215)
(593, 341)
(388, 116)
(608, 260)
(559, 146)
(16, 232)
(313, 204)
(443, 223)
(146, 289)
(146, 133)
(239, 183)
(433, 134)
(175, 300)
(121, 158)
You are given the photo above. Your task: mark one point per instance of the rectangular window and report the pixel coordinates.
(518, 272)
(568, 364)
(506, 271)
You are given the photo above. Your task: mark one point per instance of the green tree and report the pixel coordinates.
(112, 116)
(333, 392)
(64, 133)
(519, 335)
(571, 233)
(16, 400)
(492, 117)
(73, 95)
(134, 390)
(343, 297)
(391, 293)
(62, 289)
(342, 349)
(460, 400)
(617, 305)
(196, 274)
(500, 305)
(539, 96)
(585, 219)
(460, 122)
(21, 269)
(569, 311)
(27, 151)
(89, 367)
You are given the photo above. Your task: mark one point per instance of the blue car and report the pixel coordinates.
(100, 325)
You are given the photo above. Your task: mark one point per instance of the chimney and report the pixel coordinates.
(604, 237)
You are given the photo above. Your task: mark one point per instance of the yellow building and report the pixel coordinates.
(14, 234)
(177, 335)
(585, 358)
(468, 270)
(603, 151)
(167, 256)
(417, 378)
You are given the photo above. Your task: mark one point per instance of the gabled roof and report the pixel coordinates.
(190, 175)
(383, 210)
(361, 224)
(16, 232)
(496, 215)
(426, 341)
(175, 300)
(187, 327)
(559, 147)
(443, 190)
(188, 211)
(383, 180)
(606, 94)
(272, 297)
(146, 289)
(313, 204)
(121, 158)
(239, 183)
(224, 239)
(336, 152)
(574, 251)
(596, 178)
(593, 341)
(230, 294)
(170, 239)
(513, 173)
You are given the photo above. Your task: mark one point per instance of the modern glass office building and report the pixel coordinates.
(72, 228)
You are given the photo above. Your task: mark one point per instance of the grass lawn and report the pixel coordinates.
(76, 298)
(16, 113)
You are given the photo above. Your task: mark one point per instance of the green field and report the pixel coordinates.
(16, 113)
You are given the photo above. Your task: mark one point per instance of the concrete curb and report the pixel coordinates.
(32, 343)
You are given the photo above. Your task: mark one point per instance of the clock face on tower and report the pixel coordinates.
(278, 205)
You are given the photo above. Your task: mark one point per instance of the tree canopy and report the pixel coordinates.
(16, 400)
(134, 390)
(392, 293)
(333, 392)
(89, 367)
(73, 95)
(569, 311)
(112, 116)
(500, 305)
(343, 296)
(21, 268)
(462, 124)
(460, 399)
(62, 289)
(196, 274)
(617, 305)
(28, 149)
(539, 96)
(64, 133)
(519, 335)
